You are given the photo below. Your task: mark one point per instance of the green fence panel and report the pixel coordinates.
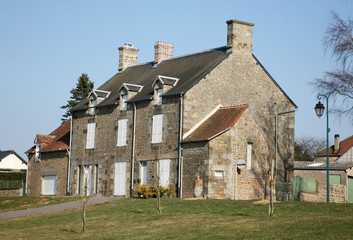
(303, 185)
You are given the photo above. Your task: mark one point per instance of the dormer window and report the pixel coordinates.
(37, 151)
(127, 91)
(161, 85)
(92, 106)
(124, 102)
(159, 93)
(96, 97)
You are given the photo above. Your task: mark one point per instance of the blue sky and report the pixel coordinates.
(46, 45)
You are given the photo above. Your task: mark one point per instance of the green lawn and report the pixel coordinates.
(189, 219)
(18, 203)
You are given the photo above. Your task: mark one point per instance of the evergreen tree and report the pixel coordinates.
(83, 87)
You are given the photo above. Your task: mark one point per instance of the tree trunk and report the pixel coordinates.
(84, 203)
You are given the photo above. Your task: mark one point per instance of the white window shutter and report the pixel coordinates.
(122, 132)
(164, 172)
(91, 128)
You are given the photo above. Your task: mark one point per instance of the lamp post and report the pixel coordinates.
(319, 109)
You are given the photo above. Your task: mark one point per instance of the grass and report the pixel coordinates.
(185, 219)
(19, 203)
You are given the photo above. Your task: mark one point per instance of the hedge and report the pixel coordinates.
(13, 176)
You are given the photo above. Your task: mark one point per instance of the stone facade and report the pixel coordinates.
(215, 162)
(197, 83)
(51, 164)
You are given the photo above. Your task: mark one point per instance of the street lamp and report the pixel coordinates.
(319, 109)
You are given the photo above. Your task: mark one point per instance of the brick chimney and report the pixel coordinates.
(239, 37)
(127, 56)
(162, 50)
(336, 147)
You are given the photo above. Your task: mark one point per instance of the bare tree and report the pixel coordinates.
(84, 204)
(306, 147)
(338, 84)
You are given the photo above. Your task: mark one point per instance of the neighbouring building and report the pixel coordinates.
(186, 120)
(10, 161)
(48, 162)
(314, 174)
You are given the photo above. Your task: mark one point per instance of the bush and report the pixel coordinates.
(13, 176)
(148, 192)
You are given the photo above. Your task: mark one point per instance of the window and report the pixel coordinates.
(219, 173)
(37, 152)
(124, 103)
(164, 172)
(248, 156)
(91, 129)
(157, 127)
(159, 94)
(122, 131)
(92, 106)
(335, 178)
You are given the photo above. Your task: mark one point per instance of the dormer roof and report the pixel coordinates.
(131, 87)
(164, 80)
(99, 94)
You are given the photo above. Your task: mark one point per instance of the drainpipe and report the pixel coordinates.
(180, 153)
(133, 149)
(27, 173)
(69, 161)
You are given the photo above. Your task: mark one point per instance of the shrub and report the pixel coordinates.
(148, 192)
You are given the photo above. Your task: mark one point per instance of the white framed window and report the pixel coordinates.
(248, 155)
(157, 128)
(37, 152)
(122, 132)
(124, 98)
(91, 132)
(164, 172)
(159, 94)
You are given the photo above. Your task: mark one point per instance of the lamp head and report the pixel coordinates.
(319, 109)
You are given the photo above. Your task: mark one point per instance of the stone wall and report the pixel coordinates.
(195, 163)
(337, 191)
(106, 152)
(11, 192)
(240, 79)
(52, 163)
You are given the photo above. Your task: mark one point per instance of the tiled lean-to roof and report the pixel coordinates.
(220, 121)
(58, 140)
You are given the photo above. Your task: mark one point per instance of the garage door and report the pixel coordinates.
(350, 190)
(49, 185)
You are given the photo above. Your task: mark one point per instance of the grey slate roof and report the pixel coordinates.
(189, 69)
(4, 154)
(304, 165)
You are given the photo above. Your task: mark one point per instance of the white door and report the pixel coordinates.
(164, 172)
(144, 172)
(88, 174)
(120, 179)
(49, 185)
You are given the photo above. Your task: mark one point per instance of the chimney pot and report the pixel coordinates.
(336, 147)
(239, 36)
(127, 56)
(162, 51)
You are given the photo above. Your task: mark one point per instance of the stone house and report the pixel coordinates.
(48, 162)
(340, 176)
(142, 123)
